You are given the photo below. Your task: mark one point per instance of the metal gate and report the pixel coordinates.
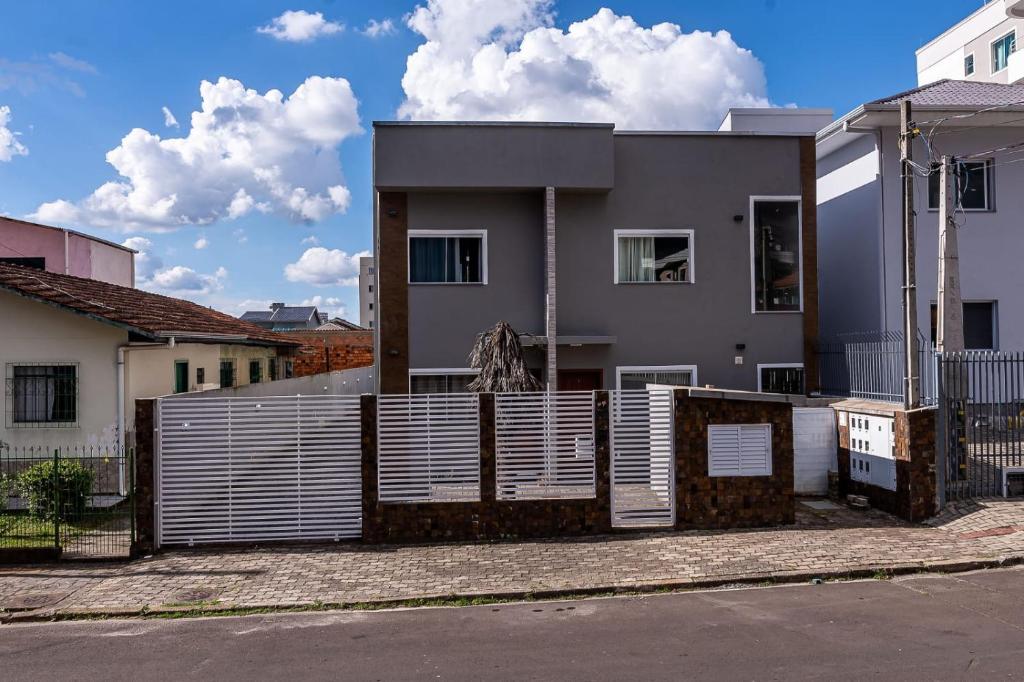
(814, 449)
(981, 424)
(259, 468)
(642, 459)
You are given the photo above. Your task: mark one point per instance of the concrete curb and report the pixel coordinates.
(55, 613)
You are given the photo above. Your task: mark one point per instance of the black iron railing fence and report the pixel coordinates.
(982, 423)
(74, 499)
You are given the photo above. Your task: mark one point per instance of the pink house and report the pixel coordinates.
(65, 252)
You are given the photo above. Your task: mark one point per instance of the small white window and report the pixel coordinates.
(969, 65)
(740, 450)
(653, 256)
(637, 378)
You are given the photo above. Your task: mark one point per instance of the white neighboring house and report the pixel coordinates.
(859, 213)
(770, 120)
(982, 47)
(367, 314)
(77, 352)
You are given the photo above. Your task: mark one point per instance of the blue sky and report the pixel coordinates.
(77, 77)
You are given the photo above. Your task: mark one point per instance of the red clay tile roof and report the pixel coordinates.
(148, 314)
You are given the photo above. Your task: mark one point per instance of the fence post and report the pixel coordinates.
(368, 463)
(56, 498)
(144, 500)
(488, 449)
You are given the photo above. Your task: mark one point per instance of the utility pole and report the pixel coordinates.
(949, 339)
(911, 361)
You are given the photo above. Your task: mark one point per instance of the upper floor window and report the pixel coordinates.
(777, 262)
(658, 256)
(972, 186)
(1002, 49)
(42, 394)
(448, 257)
(969, 64)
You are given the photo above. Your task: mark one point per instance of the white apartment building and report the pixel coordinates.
(367, 314)
(982, 47)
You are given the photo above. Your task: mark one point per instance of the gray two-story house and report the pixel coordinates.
(622, 258)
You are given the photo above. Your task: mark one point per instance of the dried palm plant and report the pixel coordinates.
(498, 355)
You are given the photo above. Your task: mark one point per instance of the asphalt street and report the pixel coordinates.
(965, 626)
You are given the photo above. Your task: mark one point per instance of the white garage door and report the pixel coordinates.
(814, 448)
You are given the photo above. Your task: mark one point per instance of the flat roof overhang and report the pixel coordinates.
(529, 340)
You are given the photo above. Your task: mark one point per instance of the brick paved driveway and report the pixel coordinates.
(823, 541)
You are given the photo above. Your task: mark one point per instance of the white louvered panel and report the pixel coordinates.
(544, 445)
(428, 447)
(254, 469)
(642, 459)
(739, 450)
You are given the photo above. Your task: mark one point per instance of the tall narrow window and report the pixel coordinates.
(180, 376)
(272, 369)
(776, 255)
(1001, 51)
(969, 65)
(43, 394)
(227, 373)
(447, 258)
(658, 256)
(255, 371)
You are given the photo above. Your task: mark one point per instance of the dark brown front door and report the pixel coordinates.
(580, 380)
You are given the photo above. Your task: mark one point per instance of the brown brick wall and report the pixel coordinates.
(488, 519)
(914, 497)
(731, 501)
(809, 236)
(145, 513)
(393, 291)
(331, 351)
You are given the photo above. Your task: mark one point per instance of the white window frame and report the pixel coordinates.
(777, 365)
(974, 64)
(445, 371)
(799, 200)
(688, 233)
(448, 233)
(626, 369)
(991, 61)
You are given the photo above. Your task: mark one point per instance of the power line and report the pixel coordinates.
(969, 114)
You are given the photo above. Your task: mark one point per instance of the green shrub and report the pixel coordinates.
(37, 485)
(6, 486)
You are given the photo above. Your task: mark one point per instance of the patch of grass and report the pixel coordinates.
(22, 530)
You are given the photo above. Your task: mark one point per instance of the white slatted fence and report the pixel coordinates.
(428, 447)
(544, 445)
(255, 469)
(642, 459)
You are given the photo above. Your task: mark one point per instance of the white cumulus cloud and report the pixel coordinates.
(331, 305)
(146, 262)
(300, 26)
(201, 243)
(244, 151)
(378, 29)
(310, 240)
(182, 280)
(169, 119)
(503, 59)
(325, 267)
(9, 144)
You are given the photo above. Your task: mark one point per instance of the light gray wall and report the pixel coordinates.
(343, 382)
(849, 249)
(444, 319)
(991, 243)
(695, 182)
(511, 156)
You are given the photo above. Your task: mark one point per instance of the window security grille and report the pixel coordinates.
(42, 395)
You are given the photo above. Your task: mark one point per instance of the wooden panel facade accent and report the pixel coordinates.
(809, 225)
(393, 291)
